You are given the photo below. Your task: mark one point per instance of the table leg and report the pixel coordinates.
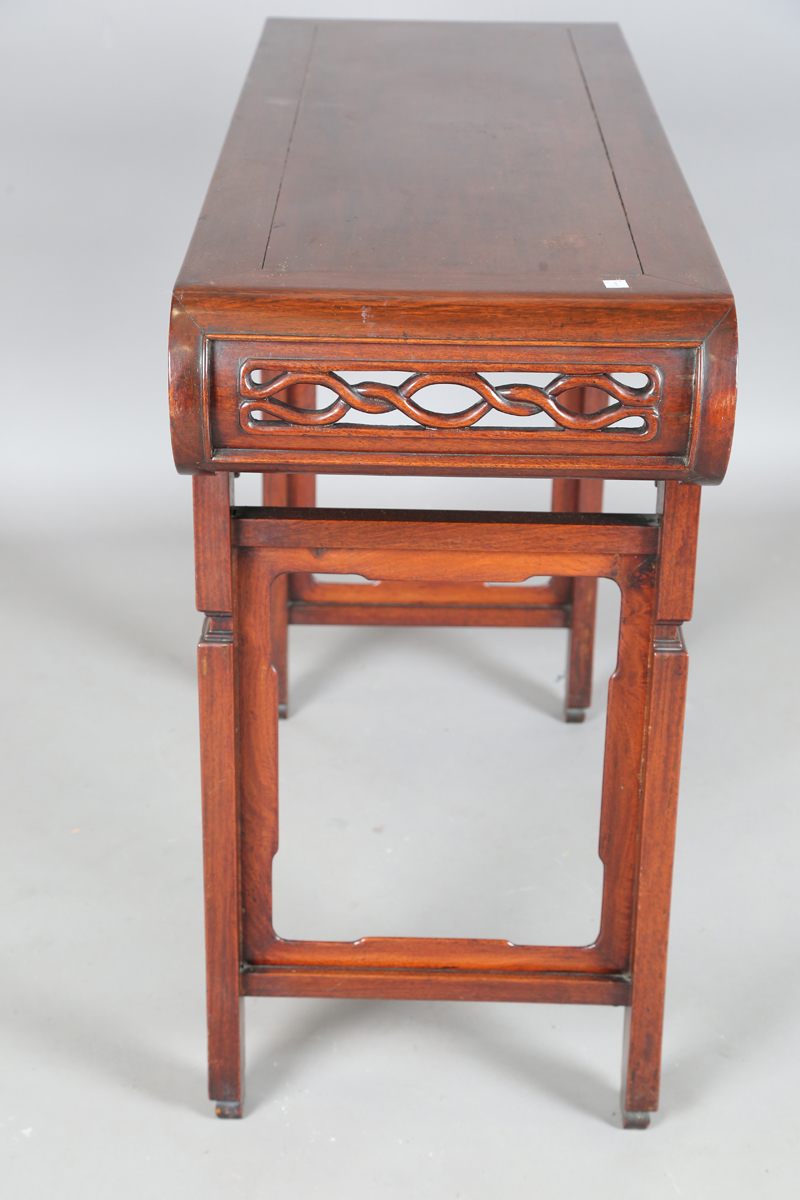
(580, 495)
(258, 697)
(580, 653)
(218, 756)
(276, 494)
(679, 507)
(221, 870)
(644, 1018)
(296, 491)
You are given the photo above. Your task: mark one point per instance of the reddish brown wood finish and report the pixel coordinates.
(294, 490)
(213, 496)
(383, 446)
(516, 536)
(258, 698)
(390, 983)
(581, 648)
(501, 271)
(265, 279)
(580, 495)
(645, 1014)
(504, 547)
(484, 614)
(679, 505)
(221, 858)
(466, 548)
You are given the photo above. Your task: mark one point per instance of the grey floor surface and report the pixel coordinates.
(429, 786)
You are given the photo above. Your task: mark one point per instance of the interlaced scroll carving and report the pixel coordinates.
(259, 402)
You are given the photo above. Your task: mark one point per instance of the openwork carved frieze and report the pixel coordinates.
(260, 404)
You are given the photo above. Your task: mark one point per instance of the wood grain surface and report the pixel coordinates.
(417, 194)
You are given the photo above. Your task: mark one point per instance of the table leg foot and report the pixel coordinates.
(283, 710)
(574, 716)
(228, 1109)
(635, 1120)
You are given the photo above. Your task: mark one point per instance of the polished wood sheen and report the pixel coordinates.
(449, 199)
(398, 206)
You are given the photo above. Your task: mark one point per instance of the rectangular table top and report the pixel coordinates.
(457, 183)
(449, 158)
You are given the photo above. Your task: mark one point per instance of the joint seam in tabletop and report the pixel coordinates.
(605, 147)
(690, 287)
(178, 300)
(714, 328)
(289, 143)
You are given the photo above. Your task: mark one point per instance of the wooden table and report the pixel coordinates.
(469, 204)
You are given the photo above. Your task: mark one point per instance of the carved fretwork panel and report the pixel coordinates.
(261, 405)
(440, 409)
